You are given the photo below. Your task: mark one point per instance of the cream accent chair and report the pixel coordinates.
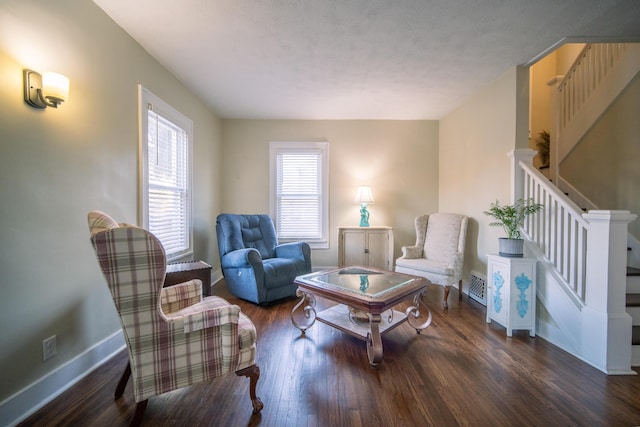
(438, 254)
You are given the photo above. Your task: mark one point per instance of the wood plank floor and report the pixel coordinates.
(460, 371)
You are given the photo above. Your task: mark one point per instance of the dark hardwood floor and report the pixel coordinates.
(460, 371)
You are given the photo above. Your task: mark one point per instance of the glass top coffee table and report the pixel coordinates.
(365, 299)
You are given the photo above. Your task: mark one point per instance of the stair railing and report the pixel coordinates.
(586, 73)
(559, 230)
(588, 253)
(594, 80)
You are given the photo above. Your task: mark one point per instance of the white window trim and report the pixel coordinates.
(323, 146)
(146, 98)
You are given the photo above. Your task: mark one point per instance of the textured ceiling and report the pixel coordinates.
(357, 59)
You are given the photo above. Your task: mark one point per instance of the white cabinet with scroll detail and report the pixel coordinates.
(511, 296)
(366, 246)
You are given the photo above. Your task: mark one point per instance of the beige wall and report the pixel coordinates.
(399, 159)
(56, 165)
(474, 167)
(566, 55)
(540, 100)
(555, 64)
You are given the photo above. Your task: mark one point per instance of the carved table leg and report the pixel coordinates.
(253, 373)
(374, 340)
(413, 313)
(308, 311)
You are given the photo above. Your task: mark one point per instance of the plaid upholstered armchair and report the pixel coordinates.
(174, 336)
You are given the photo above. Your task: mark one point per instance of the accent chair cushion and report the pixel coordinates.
(426, 265)
(443, 233)
(246, 330)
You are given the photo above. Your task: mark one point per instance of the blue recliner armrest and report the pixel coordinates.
(242, 258)
(296, 250)
(291, 250)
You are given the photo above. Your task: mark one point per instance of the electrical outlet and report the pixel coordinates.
(49, 348)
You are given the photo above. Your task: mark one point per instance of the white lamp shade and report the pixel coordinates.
(364, 195)
(55, 86)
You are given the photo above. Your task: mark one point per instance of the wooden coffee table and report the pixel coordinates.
(365, 299)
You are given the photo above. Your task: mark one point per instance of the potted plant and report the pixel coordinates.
(543, 145)
(511, 218)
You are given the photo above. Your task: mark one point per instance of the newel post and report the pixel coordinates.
(554, 133)
(517, 174)
(606, 331)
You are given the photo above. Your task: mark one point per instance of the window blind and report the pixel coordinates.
(168, 183)
(299, 213)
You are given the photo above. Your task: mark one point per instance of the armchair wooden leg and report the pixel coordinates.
(460, 289)
(123, 381)
(446, 295)
(137, 417)
(253, 373)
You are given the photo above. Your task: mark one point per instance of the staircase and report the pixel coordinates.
(632, 299)
(633, 308)
(598, 75)
(581, 272)
(596, 78)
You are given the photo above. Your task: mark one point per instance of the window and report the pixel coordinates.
(165, 147)
(299, 191)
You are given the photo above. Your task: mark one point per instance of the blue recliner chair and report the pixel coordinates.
(255, 267)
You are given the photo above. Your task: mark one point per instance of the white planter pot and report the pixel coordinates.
(510, 248)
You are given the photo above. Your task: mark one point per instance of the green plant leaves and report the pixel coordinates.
(511, 217)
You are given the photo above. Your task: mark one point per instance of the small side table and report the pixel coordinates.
(511, 295)
(180, 272)
(366, 246)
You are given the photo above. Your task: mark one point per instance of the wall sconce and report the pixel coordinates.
(364, 196)
(46, 90)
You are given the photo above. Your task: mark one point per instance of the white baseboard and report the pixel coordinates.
(27, 401)
(216, 276)
(551, 333)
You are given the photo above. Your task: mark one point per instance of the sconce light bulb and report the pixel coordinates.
(55, 87)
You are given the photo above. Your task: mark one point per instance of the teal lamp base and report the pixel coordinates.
(364, 215)
(364, 282)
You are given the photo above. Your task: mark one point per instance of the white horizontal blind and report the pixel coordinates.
(165, 181)
(299, 194)
(299, 173)
(168, 183)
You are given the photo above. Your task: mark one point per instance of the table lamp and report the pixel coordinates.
(364, 196)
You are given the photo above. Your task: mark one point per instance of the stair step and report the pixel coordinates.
(633, 280)
(635, 335)
(632, 271)
(634, 312)
(633, 300)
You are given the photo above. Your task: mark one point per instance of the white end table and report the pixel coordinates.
(511, 295)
